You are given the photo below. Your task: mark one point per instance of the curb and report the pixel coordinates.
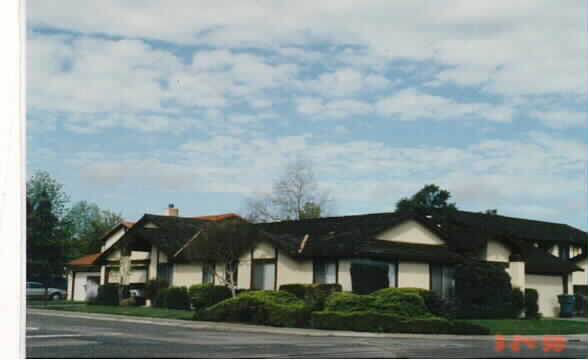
(221, 326)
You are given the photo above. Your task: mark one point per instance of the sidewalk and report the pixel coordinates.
(220, 326)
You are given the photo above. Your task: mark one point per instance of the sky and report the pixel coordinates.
(135, 105)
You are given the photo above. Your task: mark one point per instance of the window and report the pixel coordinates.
(325, 272)
(393, 275)
(232, 268)
(164, 272)
(208, 270)
(443, 280)
(564, 252)
(264, 275)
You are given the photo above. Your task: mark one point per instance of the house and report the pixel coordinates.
(417, 251)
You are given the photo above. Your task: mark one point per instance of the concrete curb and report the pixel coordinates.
(220, 326)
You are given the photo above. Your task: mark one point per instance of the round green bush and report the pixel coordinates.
(107, 295)
(313, 294)
(153, 287)
(178, 298)
(531, 303)
(205, 295)
(483, 291)
(160, 300)
(264, 307)
(299, 290)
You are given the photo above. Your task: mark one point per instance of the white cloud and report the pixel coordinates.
(561, 119)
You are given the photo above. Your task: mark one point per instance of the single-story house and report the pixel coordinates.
(418, 251)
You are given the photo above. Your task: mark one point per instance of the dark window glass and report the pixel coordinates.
(564, 252)
(443, 280)
(325, 272)
(233, 268)
(164, 272)
(264, 274)
(208, 270)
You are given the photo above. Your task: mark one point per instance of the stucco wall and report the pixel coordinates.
(548, 288)
(413, 274)
(139, 255)
(345, 274)
(496, 251)
(291, 271)
(579, 277)
(138, 276)
(244, 277)
(79, 290)
(113, 238)
(264, 250)
(187, 274)
(410, 232)
(114, 256)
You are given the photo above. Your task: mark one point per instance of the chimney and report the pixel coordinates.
(172, 211)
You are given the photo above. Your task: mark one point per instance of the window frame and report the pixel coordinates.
(255, 262)
(324, 262)
(443, 268)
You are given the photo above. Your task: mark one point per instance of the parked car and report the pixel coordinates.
(36, 291)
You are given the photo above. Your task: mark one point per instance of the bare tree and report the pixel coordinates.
(295, 195)
(223, 243)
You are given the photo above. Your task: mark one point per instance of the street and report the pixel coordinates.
(50, 336)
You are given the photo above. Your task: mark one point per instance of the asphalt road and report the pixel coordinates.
(66, 337)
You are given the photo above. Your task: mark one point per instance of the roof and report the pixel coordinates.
(538, 261)
(219, 217)
(87, 260)
(416, 252)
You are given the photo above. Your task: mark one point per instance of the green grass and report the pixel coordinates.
(53, 302)
(533, 327)
(123, 310)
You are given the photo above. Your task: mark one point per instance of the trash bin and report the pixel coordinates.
(566, 305)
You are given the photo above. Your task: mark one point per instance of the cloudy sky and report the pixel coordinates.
(134, 105)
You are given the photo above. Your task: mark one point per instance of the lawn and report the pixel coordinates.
(533, 327)
(122, 310)
(53, 302)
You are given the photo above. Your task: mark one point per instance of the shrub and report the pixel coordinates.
(390, 301)
(131, 301)
(518, 303)
(264, 307)
(580, 305)
(206, 295)
(483, 290)
(380, 322)
(160, 300)
(153, 287)
(177, 298)
(313, 294)
(433, 302)
(299, 290)
(107, 295)
(531, 304)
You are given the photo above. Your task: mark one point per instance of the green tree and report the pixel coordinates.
(430, 197)
(87, 225)
(310, 210)
(46, 230)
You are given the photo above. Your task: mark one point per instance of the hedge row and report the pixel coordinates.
(206, 295)
(314, 295)
(381, 322)
(264, 307)
(404, 304)
(173, 298)
(107, 295)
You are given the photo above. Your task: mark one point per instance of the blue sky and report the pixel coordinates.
(201, 104)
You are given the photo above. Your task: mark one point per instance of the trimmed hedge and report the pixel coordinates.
(160, 300)
(264, 307)
(314, 295)
(531, 304)
(205, 295)
(433, 302)
(380, 322)
(518, 302)
(177, 298)
(483, 291)
(153, 287)
(107, 295)
(389, 301)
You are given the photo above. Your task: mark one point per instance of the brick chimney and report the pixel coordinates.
(172, 211)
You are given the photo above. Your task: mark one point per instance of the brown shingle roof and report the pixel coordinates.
(84, 260)
(218, 217)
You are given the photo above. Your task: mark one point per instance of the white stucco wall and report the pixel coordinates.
(244, 277)
(548, 288)
(579, 277)
(114, 256)
(497, 251)
(516, 270)
(113, 238)
(554, 251)
(79, 285)
(69, 285)
(345, 274)
(187, 274)
(410, 232)
(139, 255)
(291, 271)
(264, 250)
(413, 274)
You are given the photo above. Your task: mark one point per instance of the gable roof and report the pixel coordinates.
(168, 234)
(87, 260)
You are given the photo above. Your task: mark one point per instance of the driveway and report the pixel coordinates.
(69, 336)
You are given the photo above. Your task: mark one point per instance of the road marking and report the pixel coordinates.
(50, 336)
(32, 329)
